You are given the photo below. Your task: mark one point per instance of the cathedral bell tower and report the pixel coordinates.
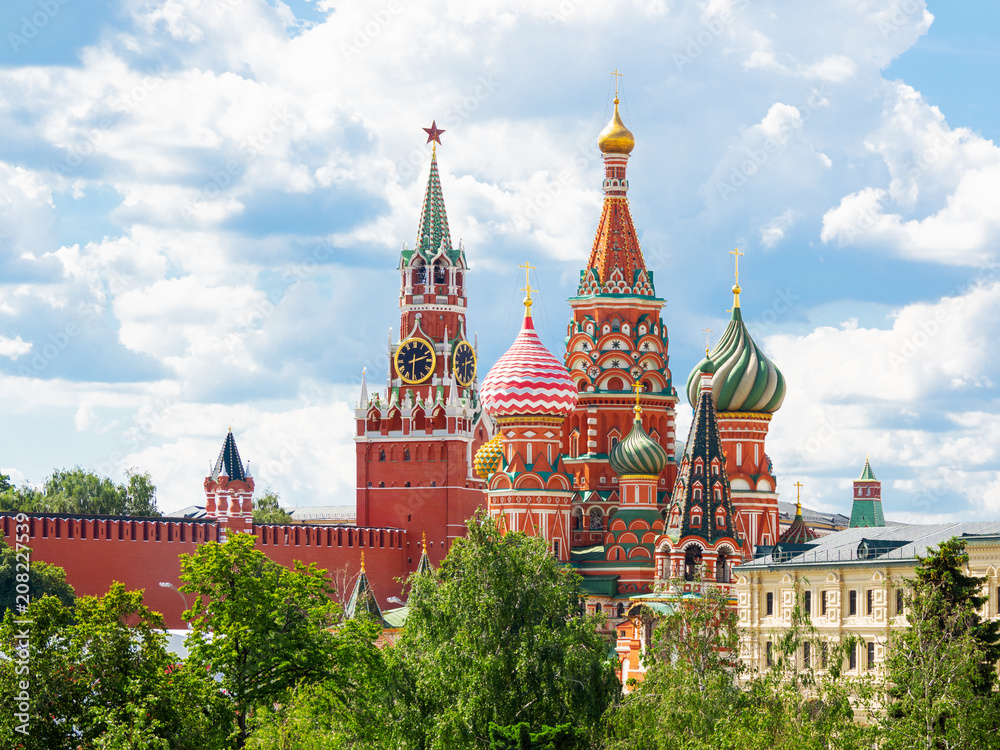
(415, 441)
(615, 341)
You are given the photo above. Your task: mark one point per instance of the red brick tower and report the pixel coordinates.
(416, 441)
(615, 340)
(748, 390)
(229, 490)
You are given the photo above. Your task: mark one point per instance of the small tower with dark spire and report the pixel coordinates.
(229, 490)
(798, 532)
(867, 508)
(701, 524)
(363, 602)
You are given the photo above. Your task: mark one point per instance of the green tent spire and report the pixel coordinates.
(424, 566)
(362, 601)
(433, 228)
(867, 475)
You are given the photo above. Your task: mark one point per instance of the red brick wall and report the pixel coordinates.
(95, 551)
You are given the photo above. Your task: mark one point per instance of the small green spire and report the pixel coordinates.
(433, 228)
(867, 475)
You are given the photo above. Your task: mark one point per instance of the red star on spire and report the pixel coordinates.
(433, 132)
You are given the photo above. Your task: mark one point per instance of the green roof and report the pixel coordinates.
(596, 552)
(867, 475)
(395, 618)
(866, 512)
(601, 585)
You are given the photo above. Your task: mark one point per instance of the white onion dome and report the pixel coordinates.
(528, 380)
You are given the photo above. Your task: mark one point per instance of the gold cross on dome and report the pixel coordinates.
(736, 254)
(528, 268)
(798, 493)
(708, 332)
(638, 388)
(617, 75)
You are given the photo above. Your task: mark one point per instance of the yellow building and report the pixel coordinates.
(849, 583)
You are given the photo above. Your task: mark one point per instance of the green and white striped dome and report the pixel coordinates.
(638, 453)
(744, 379)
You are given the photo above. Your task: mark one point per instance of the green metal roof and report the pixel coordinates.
(867, 475)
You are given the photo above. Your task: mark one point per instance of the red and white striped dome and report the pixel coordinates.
(528, 380)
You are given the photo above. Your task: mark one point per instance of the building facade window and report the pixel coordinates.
(769, 654)
(806, 655)
(769, 603)
(823, 652)
(869, 602)
(852, 658)
(871, 655)
(852, 604)
(807, 600)
(822, 603)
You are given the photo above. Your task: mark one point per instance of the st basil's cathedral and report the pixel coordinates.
(576, 447)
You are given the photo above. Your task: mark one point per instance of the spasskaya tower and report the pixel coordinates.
(416, 440)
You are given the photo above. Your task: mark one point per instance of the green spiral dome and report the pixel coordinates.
(638, 453)
(744, 379)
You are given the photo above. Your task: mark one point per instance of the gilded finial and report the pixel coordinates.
(617, 75)
(362, 561)
(708, 332)
(528, 268)
(638, 388)
(616, 138)
(736, 287)
(423, 542)
(798, 498)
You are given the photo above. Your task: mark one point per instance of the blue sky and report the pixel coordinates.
(202, 203)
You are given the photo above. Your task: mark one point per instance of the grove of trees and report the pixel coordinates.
(496, 654)
(83, 492)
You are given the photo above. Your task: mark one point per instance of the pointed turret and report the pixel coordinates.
(433, 232)
(229, 489)
(228, 463)
(363, 403)
(867, 507)
(701, 505)
(424, 566)
(362, 601)
(798, 532)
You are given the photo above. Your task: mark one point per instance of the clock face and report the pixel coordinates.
(415, 361)
(465, 363)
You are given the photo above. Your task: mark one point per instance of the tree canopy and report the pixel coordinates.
(495, 637)
(82, 492)
(267, 509)
(42, 578)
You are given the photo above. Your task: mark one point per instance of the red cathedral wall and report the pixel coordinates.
(141, 553)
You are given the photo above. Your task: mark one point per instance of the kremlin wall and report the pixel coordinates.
(575, 446)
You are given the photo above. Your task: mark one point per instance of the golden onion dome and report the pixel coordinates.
(616, 138)
(489, 457)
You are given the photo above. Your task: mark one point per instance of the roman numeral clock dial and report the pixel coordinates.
(465, 364)
(415, 361)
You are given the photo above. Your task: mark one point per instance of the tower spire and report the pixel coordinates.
(433, 231)
(736, 287)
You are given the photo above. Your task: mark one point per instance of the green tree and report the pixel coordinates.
(265, 629)
(267, 509)
(79, 491)
(941, 668)
(100, 675)
(698, 695)
(495, 636)
(42, 578)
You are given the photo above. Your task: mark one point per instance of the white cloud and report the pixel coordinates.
(773, 231)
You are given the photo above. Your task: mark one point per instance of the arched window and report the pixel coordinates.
(722, 567)
(698, 468)
(420, 273)
(596, 519)
(717, 494)
(692, 559)
(439, 274)
(621, 610)
(406, 454)
(381, 484)
(696, 493)
(381, 454)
